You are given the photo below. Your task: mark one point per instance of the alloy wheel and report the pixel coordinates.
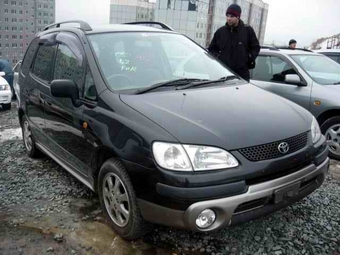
(116, 199)
(27, 136)
(333, 139)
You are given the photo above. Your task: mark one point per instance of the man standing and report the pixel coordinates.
(292, 44)
(6, 68)
(236, 44)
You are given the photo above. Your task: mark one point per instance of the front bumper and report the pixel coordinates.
(260, 199)
(5, 96)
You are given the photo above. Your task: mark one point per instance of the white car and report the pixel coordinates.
(5, 93)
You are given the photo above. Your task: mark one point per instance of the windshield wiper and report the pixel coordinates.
(176, 83)
(223, 79)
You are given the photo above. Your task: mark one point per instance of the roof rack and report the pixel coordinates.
(286, 48)
(83, 25)
(269, 47)
(164, 26)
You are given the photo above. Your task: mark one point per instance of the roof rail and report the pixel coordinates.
(287, 48)
(83, 25)
(269, 47)
(164, 26)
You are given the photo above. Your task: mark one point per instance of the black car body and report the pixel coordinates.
(197, 153)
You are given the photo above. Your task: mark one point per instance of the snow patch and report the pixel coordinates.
(10, 134)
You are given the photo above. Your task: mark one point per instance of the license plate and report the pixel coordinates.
(287, 191)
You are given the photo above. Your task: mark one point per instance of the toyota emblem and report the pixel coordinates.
(283, 147)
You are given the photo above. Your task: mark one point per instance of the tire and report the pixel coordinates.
(6, 106)
(119, 200)
(331, 130)
(28, 139)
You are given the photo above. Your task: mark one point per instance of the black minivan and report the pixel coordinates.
(163, 131)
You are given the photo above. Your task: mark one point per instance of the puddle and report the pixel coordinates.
(98, 235)
(80, 231)
(10, 134)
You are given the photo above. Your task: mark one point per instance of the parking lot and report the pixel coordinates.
(45, 210)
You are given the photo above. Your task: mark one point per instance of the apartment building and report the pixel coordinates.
(197, 19)
(20, 20)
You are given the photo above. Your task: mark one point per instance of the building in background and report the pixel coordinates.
(122, 11)
(198, 19)
(20, 20)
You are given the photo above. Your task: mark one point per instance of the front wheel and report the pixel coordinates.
(118, 200)
(331, 129)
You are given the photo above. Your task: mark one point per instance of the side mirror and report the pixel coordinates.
(2, 73)
(293, 79)
(66, 89)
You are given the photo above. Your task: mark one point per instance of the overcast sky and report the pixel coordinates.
(303, 20)
(94, 12)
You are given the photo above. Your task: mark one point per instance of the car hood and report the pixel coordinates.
(229, 117)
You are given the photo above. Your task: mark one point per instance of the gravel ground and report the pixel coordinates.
(45, 210)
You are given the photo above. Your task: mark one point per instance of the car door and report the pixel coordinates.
(37, 85)
(16, 70)
(64, 119)
(269, 74)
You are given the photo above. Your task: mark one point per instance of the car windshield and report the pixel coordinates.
(320, 68)
(137, 60)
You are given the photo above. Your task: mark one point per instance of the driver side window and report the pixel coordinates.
(271, 69)
(68, 67)
(280, 69)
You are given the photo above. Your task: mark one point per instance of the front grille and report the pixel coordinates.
(270, 150)
(284, 171)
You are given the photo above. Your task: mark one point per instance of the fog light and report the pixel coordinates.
(206, 218)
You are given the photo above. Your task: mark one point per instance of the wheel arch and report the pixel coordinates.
(327, 115)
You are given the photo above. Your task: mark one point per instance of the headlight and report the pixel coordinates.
(209, 158)
(171, 156)
(4, 87)
(316, 133)
(192, 157)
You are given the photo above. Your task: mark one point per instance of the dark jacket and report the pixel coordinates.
(237, 47)
(5, 66)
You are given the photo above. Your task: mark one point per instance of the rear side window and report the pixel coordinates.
(43, 62)
(29, 56)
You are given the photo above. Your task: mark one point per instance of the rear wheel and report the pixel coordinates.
(6, 106)
(29, 142)
(118, 200)
(331, 129)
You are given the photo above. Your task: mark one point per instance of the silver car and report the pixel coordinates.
(309, 79)
(331, 53)
(16, 87)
